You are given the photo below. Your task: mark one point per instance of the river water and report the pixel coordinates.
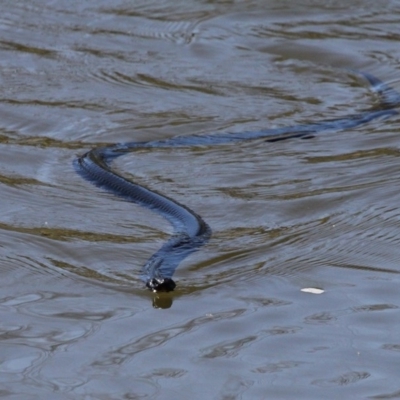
(76, 321)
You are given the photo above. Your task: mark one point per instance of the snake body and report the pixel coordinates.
(190, 230)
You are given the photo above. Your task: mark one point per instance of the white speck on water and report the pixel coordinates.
(312, 290)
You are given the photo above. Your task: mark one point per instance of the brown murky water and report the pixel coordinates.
(76, 322)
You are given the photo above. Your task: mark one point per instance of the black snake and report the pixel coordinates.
(191, 232)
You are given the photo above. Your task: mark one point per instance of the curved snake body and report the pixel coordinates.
(191, 232)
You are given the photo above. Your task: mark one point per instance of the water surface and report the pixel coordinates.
(76, 322)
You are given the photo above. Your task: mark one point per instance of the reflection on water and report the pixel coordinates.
(76, 321)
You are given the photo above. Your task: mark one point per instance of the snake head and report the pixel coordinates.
(158, 284)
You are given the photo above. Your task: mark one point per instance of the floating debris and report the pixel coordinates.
(313, 290)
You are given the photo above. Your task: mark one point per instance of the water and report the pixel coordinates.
(76, 322)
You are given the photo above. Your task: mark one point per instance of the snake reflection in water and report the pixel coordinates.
(191, 232)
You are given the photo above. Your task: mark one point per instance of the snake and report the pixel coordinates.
(191, 232)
